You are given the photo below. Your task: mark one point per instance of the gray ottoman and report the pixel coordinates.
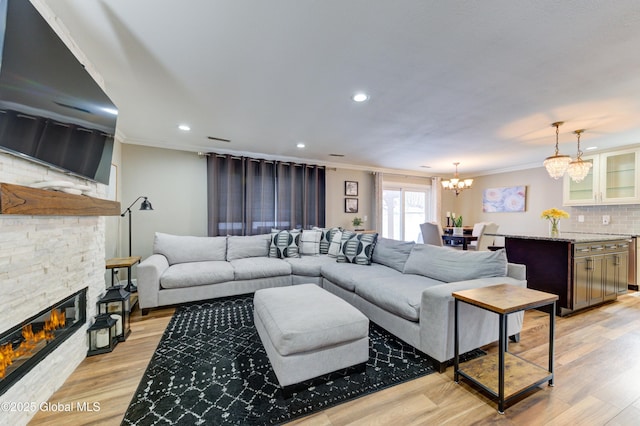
(308, 332)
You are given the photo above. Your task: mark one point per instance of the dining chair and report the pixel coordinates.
(484, 241)
(431, 233)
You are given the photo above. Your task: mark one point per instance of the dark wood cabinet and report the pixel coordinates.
(581, 274)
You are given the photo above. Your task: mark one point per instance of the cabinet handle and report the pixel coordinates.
(616, 260)
(597, 248)
(589, 267)
(611, 247)
(584, 250)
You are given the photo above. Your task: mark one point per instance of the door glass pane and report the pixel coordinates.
(414, 214)
(391, 213)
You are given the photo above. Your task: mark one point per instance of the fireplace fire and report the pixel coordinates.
(26, 344)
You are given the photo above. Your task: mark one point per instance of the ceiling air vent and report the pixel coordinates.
(336, 155)
(213, 138)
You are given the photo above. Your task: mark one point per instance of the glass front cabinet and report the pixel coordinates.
(613, 179)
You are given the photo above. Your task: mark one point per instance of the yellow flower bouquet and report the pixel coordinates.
(554, 215)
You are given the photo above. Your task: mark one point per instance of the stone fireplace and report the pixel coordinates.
(45, 260)
(25, 345)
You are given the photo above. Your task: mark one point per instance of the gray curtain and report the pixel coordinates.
(249, 196)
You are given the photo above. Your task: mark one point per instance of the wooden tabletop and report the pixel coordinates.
(122, 262)
(505, 298)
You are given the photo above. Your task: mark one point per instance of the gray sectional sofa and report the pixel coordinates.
(406, 289)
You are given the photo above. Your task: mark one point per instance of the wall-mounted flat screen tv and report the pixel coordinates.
(51, 109)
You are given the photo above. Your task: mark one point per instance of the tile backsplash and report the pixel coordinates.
(623, 219)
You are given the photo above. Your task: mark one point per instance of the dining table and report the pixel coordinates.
(457, 240)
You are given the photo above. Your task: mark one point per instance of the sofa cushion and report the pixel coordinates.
(325, 238)
(259, 267)
(190, 274)
(392, 253)
(310, 242)
(450, 265)
(247, 246)
(334, 246)
(308, 266)
(348, 276)
(284, 243)
(179, 248)
(357, 248)
(401, 296)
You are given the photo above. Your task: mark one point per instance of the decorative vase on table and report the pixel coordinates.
(457, 225)
(553, 216)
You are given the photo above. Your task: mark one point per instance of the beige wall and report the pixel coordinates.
(175, 182)
(335, 197)
(542, 193)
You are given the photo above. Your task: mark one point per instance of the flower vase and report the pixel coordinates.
(554, 228)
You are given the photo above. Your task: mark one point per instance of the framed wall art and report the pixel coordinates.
(351, 205)
(351, 188)
(510, 199)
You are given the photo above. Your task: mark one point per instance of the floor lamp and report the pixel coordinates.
(145, 205)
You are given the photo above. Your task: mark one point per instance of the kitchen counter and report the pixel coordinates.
(583, 269)
(569, 237)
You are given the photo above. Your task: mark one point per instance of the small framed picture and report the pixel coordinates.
(351, 188)
(351, 205)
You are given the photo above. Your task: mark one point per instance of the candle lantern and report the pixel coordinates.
(115, 302)
(102, 335)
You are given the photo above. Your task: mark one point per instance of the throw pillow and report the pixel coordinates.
(334, 247)
(284, 243)
(325, 239)
(310, 242)
(357, 248)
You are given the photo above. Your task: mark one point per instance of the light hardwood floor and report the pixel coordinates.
(597, 379)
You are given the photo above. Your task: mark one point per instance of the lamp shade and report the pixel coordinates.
(557, 165)
(145, 205)
(579, 169)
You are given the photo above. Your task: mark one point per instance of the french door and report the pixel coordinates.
(403, 210)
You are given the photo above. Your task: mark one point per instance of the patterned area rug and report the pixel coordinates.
(210, 368)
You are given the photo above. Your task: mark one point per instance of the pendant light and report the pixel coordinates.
(455, 184)
(578, 168)
(557, 164)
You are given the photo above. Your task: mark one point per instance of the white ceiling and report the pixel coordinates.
(478, 82)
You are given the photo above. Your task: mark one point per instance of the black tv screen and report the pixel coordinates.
(51, 109)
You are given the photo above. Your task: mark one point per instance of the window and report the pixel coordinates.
(403, 210)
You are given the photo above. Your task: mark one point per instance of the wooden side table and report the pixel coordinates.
(504, 299)
(123, 262)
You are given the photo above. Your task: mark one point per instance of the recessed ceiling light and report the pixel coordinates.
(110, 111)
(360, 97)
(300, 145)
(591, 148)
(184, 127)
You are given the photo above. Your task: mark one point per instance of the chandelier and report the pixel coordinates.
(455, 184)
(578, 169)
(557, 164)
